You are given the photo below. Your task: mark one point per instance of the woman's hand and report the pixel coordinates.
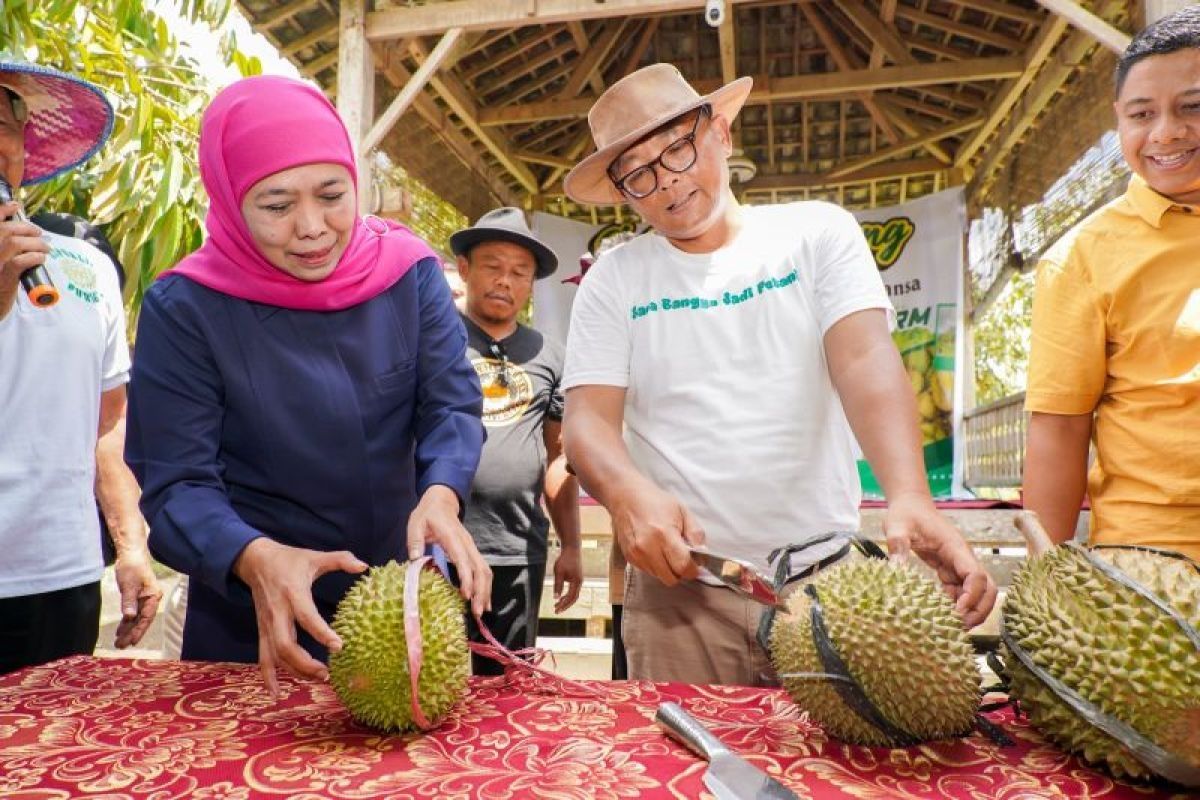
(435, 521)
(280, 579)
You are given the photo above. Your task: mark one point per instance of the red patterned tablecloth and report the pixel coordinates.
(87, 727)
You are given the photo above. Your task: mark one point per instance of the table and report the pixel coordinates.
(118, 728)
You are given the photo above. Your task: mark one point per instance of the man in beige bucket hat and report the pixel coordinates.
(718, 369)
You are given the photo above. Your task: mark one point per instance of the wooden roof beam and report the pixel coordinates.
(471, 15)
(581, 44)
(522, 47)
(1035, 99)
(1085, 20)
(319, 64)
(327, 31)
(525, 69)
(584, 140)
(887, 15)
(999, 8)
(630, 62)
(841, 59)
(591, 58)
(797, 87)
(968, 31)
(1039, 50)
(883, 154)
(456, 96)
(411, 90)
(284, 13)
(882, 35)
(548, 159)
(451, 136)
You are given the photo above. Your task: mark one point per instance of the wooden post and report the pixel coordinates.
(356, 90)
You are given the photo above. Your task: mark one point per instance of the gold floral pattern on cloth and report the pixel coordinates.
(123, 729)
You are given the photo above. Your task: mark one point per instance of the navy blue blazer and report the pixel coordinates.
(317, 429)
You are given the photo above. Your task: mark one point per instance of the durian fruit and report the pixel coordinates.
(1112, 646)
(370, 672)
(903, 645)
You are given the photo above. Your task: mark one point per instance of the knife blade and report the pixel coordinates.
(738, 574)
(729, 776)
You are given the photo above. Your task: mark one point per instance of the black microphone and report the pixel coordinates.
(35, 280)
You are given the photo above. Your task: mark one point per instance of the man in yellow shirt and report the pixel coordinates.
(1116, 322)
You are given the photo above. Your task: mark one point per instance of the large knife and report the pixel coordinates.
(729, 776)
(737, 574)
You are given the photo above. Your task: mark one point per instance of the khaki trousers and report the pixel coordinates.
(692, 633)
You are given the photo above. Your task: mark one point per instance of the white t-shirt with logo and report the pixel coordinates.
(54, 364)
(729, 403)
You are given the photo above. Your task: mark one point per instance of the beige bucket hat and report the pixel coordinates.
(632, 108)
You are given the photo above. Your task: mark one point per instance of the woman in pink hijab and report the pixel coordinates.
(301, 406)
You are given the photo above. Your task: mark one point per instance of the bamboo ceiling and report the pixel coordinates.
(865, 102)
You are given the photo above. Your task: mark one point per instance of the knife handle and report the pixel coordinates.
(688, 730)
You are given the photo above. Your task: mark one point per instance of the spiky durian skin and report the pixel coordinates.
(1113, 647)
(901, 640)
(370, 673)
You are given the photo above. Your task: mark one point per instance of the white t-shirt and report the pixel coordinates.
(729, 404)
(54, 364)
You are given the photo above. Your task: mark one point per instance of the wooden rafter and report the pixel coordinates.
(321, 34)
(843, 63)
(968, 31)
(797, 87)
(411, 90)
(885, 153)
(523, 47)
(579, 35)
(1039, 50)
(1085, 20)
(284, 13)
(999, 8)
(881, 35)
(456, 143)
(640, 46)
(536, 62)
(456, 96)
(486, 14)
(1035, 99)
(588, 64)
(544, 158)
(535, 84)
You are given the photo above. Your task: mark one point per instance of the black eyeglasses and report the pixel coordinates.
(497, 351)
(678, 156)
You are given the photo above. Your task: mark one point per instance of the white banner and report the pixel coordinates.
(918, 247)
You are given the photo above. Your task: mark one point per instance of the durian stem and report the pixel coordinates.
(1037, 541)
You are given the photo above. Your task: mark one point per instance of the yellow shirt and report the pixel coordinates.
(1116, 330)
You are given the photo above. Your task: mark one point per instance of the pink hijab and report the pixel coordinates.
(255, 128)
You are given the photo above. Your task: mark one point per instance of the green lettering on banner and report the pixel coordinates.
(909, 317)
(888, 239)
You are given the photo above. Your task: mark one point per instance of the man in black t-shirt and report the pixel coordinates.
(519, 370)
